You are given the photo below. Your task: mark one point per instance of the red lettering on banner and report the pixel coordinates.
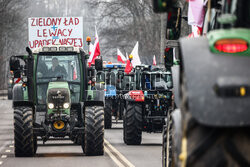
(59, 21)
(71, 21)
(76, 21)
(51, 33)
(65, 22)
(53, 41)
(38, 34)
(45, 33)
(40, 21)
(70, 31)
(31, 46)
(33, 22)
(47, 22)
(81, 42)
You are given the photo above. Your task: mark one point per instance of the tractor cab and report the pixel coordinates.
(60, 69)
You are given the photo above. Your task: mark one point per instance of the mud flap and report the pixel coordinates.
(205, 73)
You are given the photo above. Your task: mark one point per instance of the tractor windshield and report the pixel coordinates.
(58, 68)
(155, 81)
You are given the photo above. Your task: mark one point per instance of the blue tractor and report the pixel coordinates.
(112, 100)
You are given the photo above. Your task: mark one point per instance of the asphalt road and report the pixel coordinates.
(63, 153)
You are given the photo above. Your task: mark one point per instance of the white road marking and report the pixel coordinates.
(11, 146)
(1, 162)
(7, 151)
(119, 155)
(4, 145)
(118, 163)
(4, 156)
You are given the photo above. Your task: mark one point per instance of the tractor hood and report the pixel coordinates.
(58, 96)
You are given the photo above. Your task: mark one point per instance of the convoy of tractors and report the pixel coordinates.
(199, 101)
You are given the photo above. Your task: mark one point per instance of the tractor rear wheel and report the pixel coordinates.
(224, 146)
(213, 146)
(164, 146)
(108, 114)
(133, 124)
(124, 127)
(94, 131)
(168, 153)
(25, 141)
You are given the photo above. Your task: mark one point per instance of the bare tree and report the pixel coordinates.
(123, 22)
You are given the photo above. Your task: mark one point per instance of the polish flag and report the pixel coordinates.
(136, 59)
(196, 13)
(121, 57)
(154, 61)
(91, 47)
(96, 50)
(128, 67)
(126, 55)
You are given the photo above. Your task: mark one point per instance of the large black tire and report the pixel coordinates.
(213, 146)
(124, 127)
(167, 144)
(35, 143)
(164, 146)
(9, 93)
(93, 140)
(121, 109)
(217, 147)
(25, 141)
(78, 140)
(108, 114)
(133, 124)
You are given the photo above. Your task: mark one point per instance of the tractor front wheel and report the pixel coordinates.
(94, 131)
(108, 114)
(133, 124)
(25, 141)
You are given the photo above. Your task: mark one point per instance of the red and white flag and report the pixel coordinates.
(121, 57)
(154, 61)
(91, 47)
(126, 55)
(136, 59)
(128, 67)
(74, 73)
(96, 50)
(196, 13)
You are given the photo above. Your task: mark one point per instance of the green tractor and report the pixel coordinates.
(58, 98)
(147, 103)
(211, 128)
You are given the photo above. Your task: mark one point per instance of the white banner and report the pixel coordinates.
(55, 31)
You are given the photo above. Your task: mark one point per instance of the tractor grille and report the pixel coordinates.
(58, 96)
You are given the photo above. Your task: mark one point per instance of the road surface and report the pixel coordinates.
(63, 153)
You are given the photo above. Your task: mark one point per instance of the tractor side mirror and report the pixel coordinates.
(174, 24)
(98, 64)
(14, 64)
(160, 6)
(168, 58)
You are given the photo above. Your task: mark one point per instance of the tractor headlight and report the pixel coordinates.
(10, 81)
(50, 105)
(66, 105)
(25, 79)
